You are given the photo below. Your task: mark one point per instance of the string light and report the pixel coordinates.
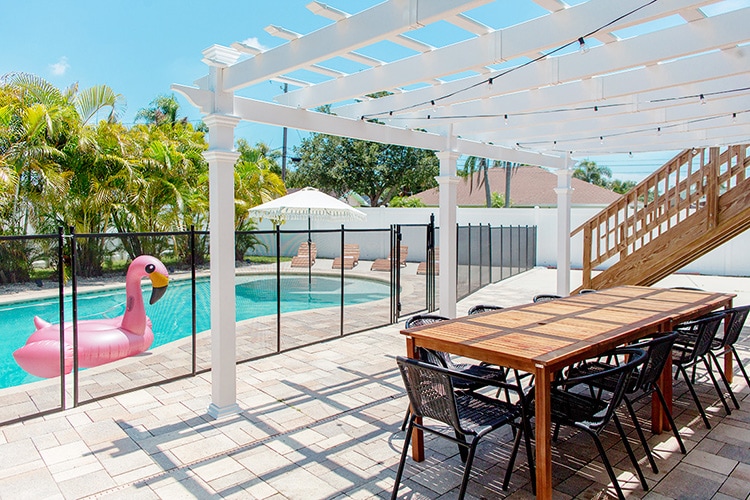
(530, 144)
(703, 99)
(506, 118)
(734, 117)
(582, 47)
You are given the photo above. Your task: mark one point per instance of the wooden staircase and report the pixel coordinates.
(697, 201)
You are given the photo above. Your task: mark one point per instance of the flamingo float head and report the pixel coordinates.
(143, 266)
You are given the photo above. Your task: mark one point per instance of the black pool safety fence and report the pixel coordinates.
(293, 288)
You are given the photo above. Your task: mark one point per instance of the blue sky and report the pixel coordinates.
(141, 47)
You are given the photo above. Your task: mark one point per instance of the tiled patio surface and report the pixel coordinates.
(323, 422)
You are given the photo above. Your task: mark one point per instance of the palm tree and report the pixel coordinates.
(255, 182)
(590, 172)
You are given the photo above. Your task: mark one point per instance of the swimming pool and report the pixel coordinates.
(172, 315)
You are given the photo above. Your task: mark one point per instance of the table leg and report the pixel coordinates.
(728, 366)
(659, 420)
(543, 434)
(417, 436)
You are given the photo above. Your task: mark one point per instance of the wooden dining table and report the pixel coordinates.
(542, 338)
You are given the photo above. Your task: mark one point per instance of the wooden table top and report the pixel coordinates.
(558, 332)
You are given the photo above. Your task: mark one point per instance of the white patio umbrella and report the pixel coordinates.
(307, 203)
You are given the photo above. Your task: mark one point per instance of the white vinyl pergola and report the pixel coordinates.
(598, 77)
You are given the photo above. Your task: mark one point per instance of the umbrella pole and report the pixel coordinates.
(309, 256)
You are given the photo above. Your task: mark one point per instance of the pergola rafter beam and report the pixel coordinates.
(302, 119)
(720, 72)
(494, 47)
(384, 20)
(701, 36)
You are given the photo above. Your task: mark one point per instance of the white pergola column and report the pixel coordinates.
(221, 158)
(223, 318)
(448, 186)
(564, 194)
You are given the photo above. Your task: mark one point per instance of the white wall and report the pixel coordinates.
(728, 260)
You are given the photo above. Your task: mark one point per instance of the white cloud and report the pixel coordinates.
(254, 42)
(60, 67)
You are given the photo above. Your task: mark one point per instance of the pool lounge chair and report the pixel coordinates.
(385, 264)
(350, 258)
(302, 259)
(422, 267)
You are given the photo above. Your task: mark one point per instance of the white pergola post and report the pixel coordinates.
(221, 158)
(223, 322)
(564, 193)
(447, 184)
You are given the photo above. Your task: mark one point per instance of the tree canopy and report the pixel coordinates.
(60, 167)
(599, 175)
(376, 171)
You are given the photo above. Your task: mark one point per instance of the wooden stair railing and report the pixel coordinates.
(697, 201)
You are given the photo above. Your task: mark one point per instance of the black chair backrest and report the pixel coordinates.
(623, 372)
(735, 319)
(482, 308)
(586, 290)
(702, 331)
(431, 356)
(545, 297)
(430, 391)
(423, 319)
(658, 350)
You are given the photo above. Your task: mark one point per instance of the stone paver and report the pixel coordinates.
(323, 422)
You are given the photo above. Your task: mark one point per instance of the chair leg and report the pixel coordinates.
(695, 396)
(467, 468)
(462, 449)
(406, 418)
(629, 449)
(512, 459)
(707, 364)
(724, 379)
(670, 419)
(641, 436)
(739, 363)
(402, 463)
(607, 465)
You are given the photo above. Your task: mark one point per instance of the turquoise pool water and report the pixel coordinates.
(171, 316)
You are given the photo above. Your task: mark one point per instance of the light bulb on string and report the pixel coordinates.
(734, 117)
(582, 47)
(506, 119)
(601, 139)
(658, 131)
(703, 99)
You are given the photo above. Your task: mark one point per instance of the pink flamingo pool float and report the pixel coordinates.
(100, 341)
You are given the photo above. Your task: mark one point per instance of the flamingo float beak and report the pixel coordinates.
(159, 286)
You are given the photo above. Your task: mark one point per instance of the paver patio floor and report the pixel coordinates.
(323, 422)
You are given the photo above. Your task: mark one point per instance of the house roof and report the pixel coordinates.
(529, 186)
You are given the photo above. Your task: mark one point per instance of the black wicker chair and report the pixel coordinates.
(644, 383)
(591, 414)
(481, 308)
(691, 347)
(545, 297)
(734, 320)
(433, 395)
(440, 358)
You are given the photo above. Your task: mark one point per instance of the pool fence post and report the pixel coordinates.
(61, 293)
(278, 289)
